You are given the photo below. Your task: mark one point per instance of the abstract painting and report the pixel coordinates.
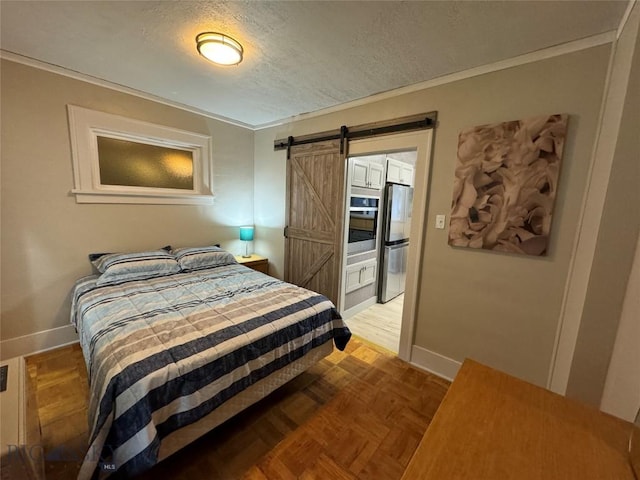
(506, 182)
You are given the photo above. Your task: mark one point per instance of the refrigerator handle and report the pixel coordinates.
(396, 246)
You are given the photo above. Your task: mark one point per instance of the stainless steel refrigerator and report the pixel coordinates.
(396, 226)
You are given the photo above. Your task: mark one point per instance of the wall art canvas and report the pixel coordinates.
(506, 182)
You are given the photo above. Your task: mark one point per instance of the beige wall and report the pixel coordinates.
(617, 236)
(46, 235)
(621, 395)
(499, 309)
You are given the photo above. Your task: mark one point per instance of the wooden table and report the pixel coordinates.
(491, 426)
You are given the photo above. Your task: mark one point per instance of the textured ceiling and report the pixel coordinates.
(300, 56)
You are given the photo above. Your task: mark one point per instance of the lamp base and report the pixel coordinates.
(246, 256)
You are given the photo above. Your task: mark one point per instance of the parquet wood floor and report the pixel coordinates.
(358, 414)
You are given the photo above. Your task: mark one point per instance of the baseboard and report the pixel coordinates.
(434, 362)
(37, 342)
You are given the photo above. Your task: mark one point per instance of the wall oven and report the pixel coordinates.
(363, 223)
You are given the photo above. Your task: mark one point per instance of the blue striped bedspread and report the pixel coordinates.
(163, 353)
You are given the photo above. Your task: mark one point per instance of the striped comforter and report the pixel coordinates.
(162, 353)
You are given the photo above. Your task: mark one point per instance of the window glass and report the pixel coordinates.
(127, 163)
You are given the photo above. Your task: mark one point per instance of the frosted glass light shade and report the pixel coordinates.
(219, 48)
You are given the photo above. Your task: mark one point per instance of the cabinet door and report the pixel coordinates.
(368, 274)
(352, 281)
(360, 274)
(360, 173)
(394, 171)
(376, 176)
(406, 174)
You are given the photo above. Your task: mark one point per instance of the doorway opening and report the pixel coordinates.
(379, 285)
(379, 198)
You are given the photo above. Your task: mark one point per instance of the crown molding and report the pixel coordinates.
(49, 67)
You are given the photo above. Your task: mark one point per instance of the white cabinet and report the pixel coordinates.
(399, 172)
(376, 176)
(360, 275)
(360, 173)
(369, 273)
(353, 278)
(366, 173)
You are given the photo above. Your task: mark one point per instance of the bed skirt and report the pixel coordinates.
(184, 436)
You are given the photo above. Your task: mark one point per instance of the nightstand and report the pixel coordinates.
(256, 262)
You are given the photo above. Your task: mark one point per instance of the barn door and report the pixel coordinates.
(315, 215)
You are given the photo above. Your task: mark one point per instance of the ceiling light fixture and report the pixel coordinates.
(219, 48)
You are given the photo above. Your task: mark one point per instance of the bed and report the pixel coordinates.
(178, 349)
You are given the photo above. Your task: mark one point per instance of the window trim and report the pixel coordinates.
(86, 125)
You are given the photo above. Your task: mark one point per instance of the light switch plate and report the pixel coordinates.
(440, 219)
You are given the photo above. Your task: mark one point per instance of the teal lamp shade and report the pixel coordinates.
(246, 235)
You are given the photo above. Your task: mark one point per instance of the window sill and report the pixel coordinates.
(141, 198)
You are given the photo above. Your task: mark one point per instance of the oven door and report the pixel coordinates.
(363, 224)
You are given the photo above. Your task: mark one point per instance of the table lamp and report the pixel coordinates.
(246, 235)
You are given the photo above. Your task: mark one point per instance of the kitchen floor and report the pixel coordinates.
(379, 324)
